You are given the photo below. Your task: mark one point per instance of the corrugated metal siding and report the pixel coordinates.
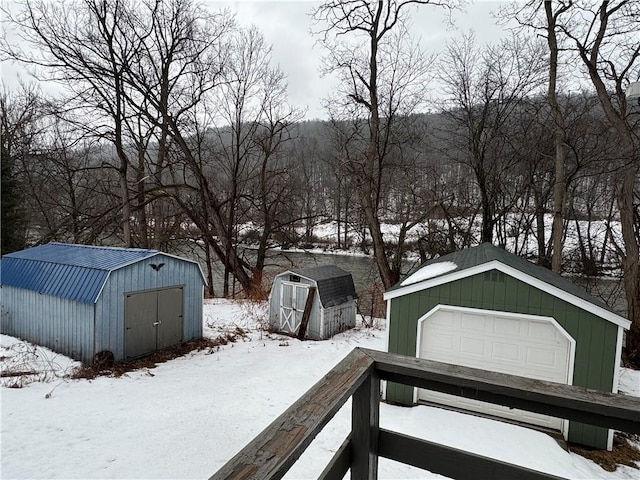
(76, 272)
(63, 325)
(109, 334)
(67, 281)
(595, 337)
(88, 256)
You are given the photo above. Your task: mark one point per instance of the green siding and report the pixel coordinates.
(595, 337)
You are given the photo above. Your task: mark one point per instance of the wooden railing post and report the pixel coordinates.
(365, 418)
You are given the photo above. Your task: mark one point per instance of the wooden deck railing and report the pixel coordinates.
(272, 453)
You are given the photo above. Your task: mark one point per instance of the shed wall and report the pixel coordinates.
(339, 318)
(323, 323)
(63, 325)
(595, 337)
(109, 333)
(313, 328)
(274, 301)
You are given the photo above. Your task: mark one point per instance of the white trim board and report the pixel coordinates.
(517, 274)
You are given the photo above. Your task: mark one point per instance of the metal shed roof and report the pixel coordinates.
(76, 272)
(484, 256)
(335, 285)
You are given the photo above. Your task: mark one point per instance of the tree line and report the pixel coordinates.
(174, 125)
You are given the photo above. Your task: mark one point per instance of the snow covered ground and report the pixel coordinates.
(520, 240)
(187, 417)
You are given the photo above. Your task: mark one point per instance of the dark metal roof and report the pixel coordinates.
(486, 252)
(335, 285)
(76, 272)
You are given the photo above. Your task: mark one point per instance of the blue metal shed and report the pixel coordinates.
(82, 300)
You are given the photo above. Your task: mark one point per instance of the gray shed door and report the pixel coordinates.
(292, 301)
(152, 320)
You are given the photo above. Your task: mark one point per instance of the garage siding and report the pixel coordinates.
(64, 325)
(140, 276)
(493, 290)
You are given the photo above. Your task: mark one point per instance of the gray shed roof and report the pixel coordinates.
(76, 272)
(335, 285)
(484, 253)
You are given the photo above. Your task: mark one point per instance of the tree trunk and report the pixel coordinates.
(126, 205)
(560, 185)
(624, 197)
(368, 190)
(559, 191)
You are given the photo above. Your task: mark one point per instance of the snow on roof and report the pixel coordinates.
(429, 271)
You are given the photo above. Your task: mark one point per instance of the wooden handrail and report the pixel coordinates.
(358, 375)
(610, 410)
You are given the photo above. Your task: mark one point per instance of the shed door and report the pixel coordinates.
(152, 320)
(140, 313)
(169, 329)
(524, 346)
(293, 297)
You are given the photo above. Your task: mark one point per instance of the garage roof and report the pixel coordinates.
(484, 257)
(335, 285)
(76, 272)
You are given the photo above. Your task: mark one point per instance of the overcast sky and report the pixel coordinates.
(286, 26)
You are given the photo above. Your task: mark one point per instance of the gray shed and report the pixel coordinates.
(333, 309)
(82, 300)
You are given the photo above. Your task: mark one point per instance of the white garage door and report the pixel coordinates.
(519, 345)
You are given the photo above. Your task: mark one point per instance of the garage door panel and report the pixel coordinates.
(505, 352)
(492, 409)
(439, 341)
(470, 322)
(446, 319)
(522, 346)
(506, 326)
(543, 331)
(472, 346)
(542, 357)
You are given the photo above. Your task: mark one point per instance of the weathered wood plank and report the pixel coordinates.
(339, 464)
(273, 452)
(609, 410)
(306, 313)
(451, 462)
(365, 424)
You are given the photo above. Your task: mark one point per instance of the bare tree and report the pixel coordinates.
(254, 123)
(85, 47)
(382, 77)
(485, 89)
(545, 18)
(604, 38)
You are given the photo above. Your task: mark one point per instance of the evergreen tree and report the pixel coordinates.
(12, 214)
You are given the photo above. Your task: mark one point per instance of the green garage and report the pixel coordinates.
(483, 307)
